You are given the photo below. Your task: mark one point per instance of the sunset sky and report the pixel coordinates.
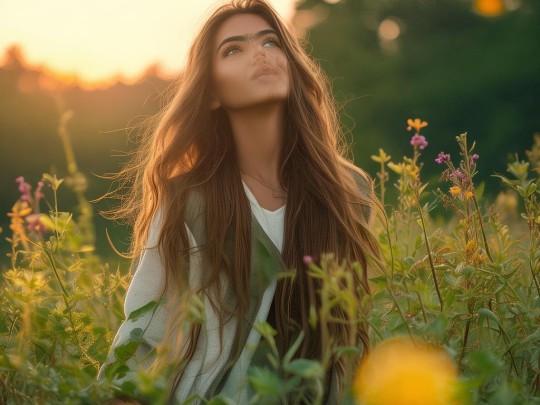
(103, 38)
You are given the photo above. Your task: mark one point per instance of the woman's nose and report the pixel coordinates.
(258, 50)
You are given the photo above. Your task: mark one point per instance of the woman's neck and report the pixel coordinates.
(258, 134)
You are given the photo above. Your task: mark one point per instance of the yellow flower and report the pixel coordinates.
(382, 157)
(489, 8)
(479, 258)
(471, 246)
(455, 191)
(397, 168)
(417, 124)
(468, 194)
(402, 372)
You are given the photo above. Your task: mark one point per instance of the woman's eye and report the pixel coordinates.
(228, 50)
(272, 40)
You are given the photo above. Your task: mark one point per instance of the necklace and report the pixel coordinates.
(284, 195)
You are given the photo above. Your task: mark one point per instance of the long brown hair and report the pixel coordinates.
(187, 146)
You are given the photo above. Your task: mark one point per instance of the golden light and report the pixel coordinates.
(389, 29)
(402, 372)
(56, 36)
(489, 8)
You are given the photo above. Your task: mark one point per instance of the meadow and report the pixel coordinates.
(465, 286)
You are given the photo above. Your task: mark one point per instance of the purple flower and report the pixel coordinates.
(308, 259)
(419, 140)
(38, 194)
(443, 157)
(475, 156)
(459, 174)
(24, 189)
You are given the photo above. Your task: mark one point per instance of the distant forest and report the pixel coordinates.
(443, 61)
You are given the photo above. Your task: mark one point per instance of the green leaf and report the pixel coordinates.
(480, 190)
(294, 347)
(126, 350)
(346, 350)
(305, 368)
(437, 326)
(221, 400)
(484, 363)
(134, 315)
(265, 381)
(484, 312)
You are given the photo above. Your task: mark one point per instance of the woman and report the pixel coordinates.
(248, 149)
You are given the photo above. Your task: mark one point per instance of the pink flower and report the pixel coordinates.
(419, 140)
(308, 259)
(443, 157)
(34, 223)
(24, 189)
(38, 194)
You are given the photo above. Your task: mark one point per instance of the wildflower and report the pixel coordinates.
(443, 157)
(402, 372)
(455, 191)
(419, 140)
(475, 156)
(397, 168)
(459, 174)
(479, 258)
(19, 210)
(382, 157)
(34, 223)
(471, 246)
(417, 124)
(24, 189)
(308, 259)
(38, 194)
(468, 195)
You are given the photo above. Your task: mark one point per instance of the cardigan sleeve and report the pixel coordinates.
(145, 286)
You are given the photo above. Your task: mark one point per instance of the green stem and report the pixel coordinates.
(431, 264)
(531, 259)
(481, 222)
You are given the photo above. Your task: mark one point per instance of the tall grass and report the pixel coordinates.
(469, 286)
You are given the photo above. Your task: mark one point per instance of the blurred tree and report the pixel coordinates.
(467, 65)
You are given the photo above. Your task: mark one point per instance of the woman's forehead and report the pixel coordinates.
(240, 25)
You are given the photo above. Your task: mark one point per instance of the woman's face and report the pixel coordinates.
(252, 68)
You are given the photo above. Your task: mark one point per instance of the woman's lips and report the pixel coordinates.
(264, 71)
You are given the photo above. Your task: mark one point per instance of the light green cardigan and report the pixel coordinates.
(207, 371)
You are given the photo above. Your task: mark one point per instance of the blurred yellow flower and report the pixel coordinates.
(417, 124)
(471, 246)
(455, 191)
(382, 157)
(489, 8)
(468, 194)
(397, 168)
(402, 372)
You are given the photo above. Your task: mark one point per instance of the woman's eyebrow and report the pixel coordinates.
(245, 37)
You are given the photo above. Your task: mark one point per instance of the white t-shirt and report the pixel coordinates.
(272, 222)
